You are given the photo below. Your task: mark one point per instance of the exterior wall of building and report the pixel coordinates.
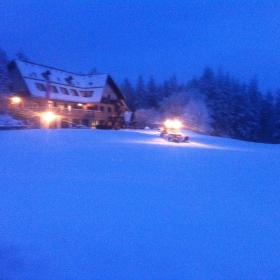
(69, 114)
(3, 104)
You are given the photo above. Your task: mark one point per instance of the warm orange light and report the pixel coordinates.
(48, 117)
(15, 100)
(177, 124)
(173, 124)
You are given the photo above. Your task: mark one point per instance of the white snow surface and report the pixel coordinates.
(92, 204)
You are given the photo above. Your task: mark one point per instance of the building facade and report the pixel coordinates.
(47, 96)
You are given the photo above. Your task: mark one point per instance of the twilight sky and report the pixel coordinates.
(156, 37)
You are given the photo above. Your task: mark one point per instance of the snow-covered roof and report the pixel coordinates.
(33, 74)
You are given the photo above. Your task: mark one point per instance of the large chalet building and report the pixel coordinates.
(68, 99)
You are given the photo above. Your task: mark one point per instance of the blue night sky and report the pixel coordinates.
(159, 38)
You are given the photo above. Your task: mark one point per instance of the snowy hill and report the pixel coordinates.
(84, 204)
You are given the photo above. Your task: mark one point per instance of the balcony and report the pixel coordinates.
(29, 112)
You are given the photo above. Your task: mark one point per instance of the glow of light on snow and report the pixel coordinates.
(182, 145)
(189, 145)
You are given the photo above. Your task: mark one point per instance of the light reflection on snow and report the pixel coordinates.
(196, 141)
(191, 144)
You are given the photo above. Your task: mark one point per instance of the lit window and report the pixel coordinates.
(40, 86)
(74, 92)
(92, 107)
(64, 90)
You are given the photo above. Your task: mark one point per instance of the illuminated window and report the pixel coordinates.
(92, 107)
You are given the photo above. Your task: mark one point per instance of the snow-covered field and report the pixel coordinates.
(85, 204)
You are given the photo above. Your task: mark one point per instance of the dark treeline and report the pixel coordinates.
(213, 103)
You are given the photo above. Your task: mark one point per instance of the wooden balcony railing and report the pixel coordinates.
(29, 112)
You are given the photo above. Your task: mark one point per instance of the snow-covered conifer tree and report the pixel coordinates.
(4, 78)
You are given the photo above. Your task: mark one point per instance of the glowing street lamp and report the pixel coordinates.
(48, 117)
(15, 100)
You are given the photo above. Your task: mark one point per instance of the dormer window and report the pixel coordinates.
(74, 92)
(54, 89)
(64, 90)
(46, 75)
(86, 93)
(40, 86)
(69, 79)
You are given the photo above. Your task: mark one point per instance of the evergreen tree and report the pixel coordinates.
(240, 121)
(129, 93)
(166, 89)
(254, 109)
(276, 131)
(140, 94)
(207, 85)
(174, 85)
(4, 77)
(208, 90)
(152, 94)
(267, 118)
(220, 103)
(169, 87)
